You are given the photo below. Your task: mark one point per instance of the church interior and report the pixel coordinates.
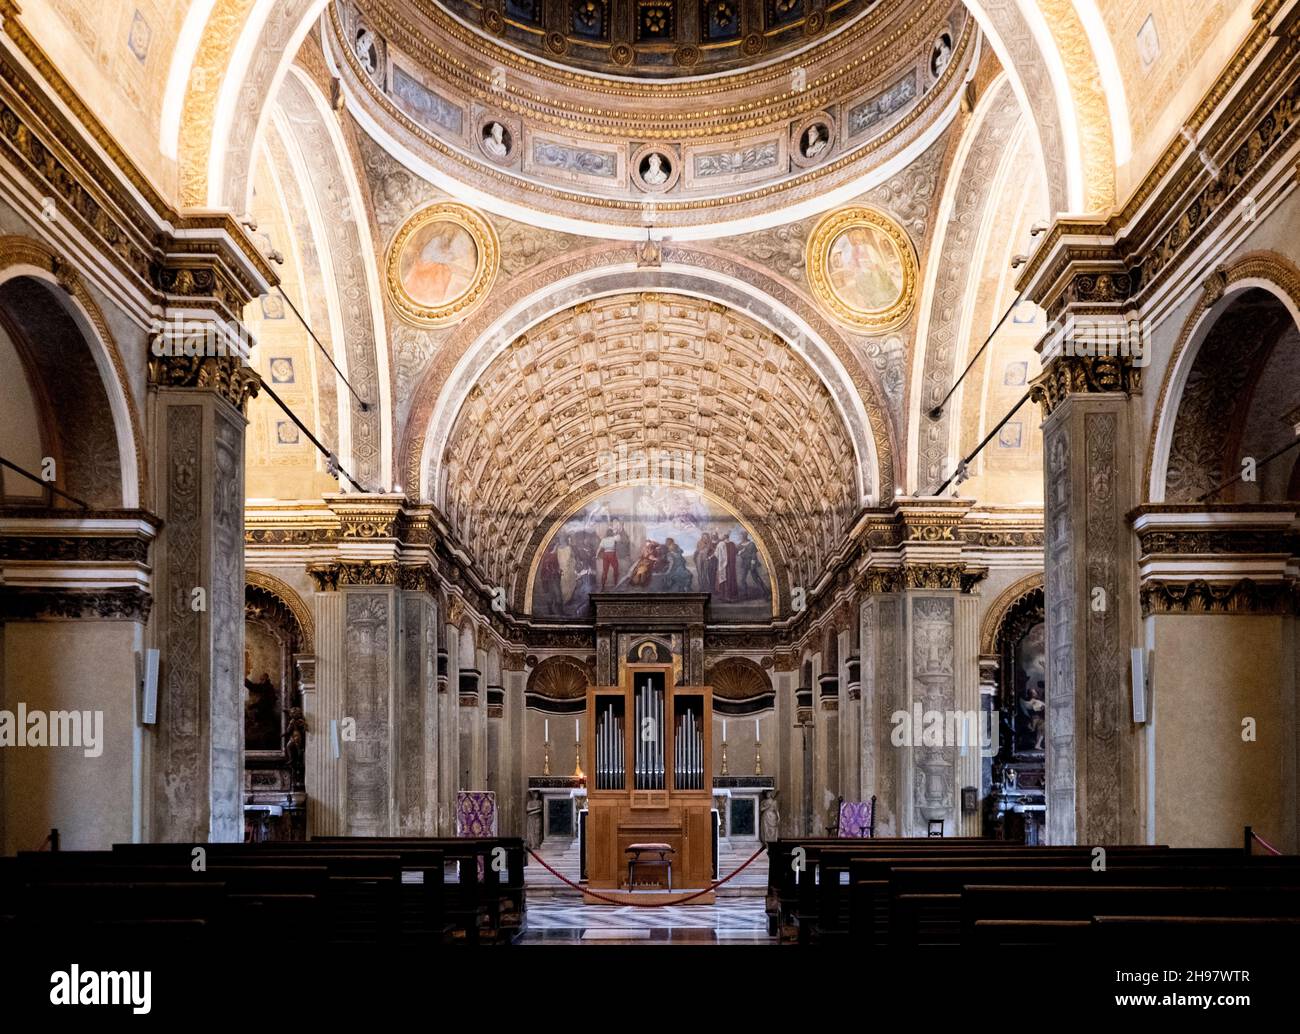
(629, 472)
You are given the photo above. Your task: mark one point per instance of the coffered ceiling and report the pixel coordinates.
(649, 372)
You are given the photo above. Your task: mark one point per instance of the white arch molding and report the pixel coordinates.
(299, 79)
(1167, 417)
(670, 279)
(993, 101)
(114, 390)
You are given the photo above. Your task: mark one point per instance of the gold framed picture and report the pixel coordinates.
(862, 268)
(442, 263)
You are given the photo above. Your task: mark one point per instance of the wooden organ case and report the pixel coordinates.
(650, 777)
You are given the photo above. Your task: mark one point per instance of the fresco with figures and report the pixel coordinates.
(649, 538)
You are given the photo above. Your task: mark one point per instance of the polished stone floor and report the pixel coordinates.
(738, 921)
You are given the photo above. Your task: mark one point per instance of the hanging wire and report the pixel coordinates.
(42, 482)
(365, 406)
(960, 472)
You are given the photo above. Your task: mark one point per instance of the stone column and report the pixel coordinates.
(828, 704)
(1093, 777)
(493, 756)
(415, 727)
(445, 738)
(805, 745)
(323, 705)
(196, 766)
(468, 723)
(882, 692)
(514, 785)
(851, 732)
(990, 675)
(782, 757)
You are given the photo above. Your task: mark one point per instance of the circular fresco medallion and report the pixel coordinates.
(862, 268)
(442, 263)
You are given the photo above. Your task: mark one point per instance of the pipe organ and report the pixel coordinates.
(650, 756)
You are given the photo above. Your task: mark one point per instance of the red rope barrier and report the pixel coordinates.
(1267, 846)
(649, 904)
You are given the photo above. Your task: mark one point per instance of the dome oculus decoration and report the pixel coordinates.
(862, 268)
(441, 264)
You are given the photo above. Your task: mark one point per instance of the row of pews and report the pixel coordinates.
(970, 891)
(329, 890)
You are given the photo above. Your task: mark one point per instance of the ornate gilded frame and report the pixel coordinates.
(816, 260)
(489, 261)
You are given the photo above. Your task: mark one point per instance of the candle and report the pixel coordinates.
(546, 726)
(756, 736)
(724, 728)
(576, 734)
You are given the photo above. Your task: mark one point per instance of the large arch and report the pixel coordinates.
(1265, 271)
(981, 167)
(597, 272)
(1058, 55)
(27, 264)
(335, 207)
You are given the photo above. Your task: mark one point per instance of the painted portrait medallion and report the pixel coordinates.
(862, 268)
(442, 263)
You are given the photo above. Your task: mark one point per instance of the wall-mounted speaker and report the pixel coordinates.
(149, 688)
(1140, 664)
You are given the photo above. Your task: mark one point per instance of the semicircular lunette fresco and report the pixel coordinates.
(652, 538)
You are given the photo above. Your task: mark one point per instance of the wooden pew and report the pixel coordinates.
(1002, 916)
(926, 900)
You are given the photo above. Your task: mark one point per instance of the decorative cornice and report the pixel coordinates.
(75, 548)
(1067, 375)
(1122, 259)
(1243, 596)
(225, 375)
(102, 192)
(117, 604)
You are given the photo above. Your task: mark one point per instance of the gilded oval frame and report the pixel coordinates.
(485, 271)
(817, 262)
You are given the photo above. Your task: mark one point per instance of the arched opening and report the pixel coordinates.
(275, 731)
(1014, 762)
(71, 606)
(59, 422)
(1236, 416)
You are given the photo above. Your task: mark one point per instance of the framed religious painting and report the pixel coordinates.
(862, 269)
(442, 263)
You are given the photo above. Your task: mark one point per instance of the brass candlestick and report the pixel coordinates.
(577, 759)
(758, 757)
(724, 758)
(546, 757)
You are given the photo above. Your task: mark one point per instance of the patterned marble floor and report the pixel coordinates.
(738, 921)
